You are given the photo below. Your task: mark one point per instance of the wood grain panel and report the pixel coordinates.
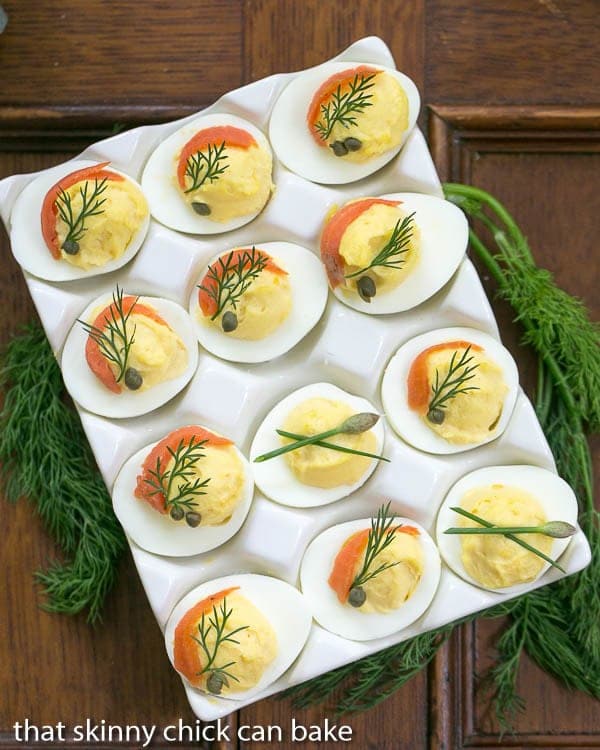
(494, 52)
(81, 53)
(546, 174)
(285, 35)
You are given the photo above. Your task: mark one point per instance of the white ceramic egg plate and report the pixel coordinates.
(347, 348)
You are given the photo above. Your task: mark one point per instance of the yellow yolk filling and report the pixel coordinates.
(108, 234)
(157, 352)
(379, 127)
(223, 467)
(325, 467)
(243, 188)
(391, 588)
(493, 560)
(261, 309)
(472, 416)
(256, 647)
(366, 236)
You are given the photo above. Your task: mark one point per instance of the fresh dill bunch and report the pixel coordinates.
(343, 108)
(230, 277)
(206, 167)
(392, 253)
(45, 456)
(91, 205)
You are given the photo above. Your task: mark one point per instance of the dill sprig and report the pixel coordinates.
(231, 276)
(175, 483)
(114, 339)
(460, 371)
(218, 674)
(202, 167)
(91, 205)
(508, 533)
(381, 535)
(392, 253)
(45, 456)
(354, 425)
(343, 107)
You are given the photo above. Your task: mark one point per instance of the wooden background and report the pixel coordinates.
(511, 94)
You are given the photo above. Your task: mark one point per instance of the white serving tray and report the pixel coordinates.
(347, 348)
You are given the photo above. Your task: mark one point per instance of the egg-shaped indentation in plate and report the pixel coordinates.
(404, 246)
(329, 474)
(108, 219)
(269, 644)
(274, 311)
(348, 621)
(164, 346)
(505, 489)
(239, 174)
(391, 109)
(449, 418)
(203, 506)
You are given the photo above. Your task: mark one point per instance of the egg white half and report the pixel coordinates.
(408, 424)
(309, 297)
(294, 145)
(553, 493)
(156, 532)
(27, 241)
(158, 179)
(89, 392)
(444, 235)
(274, 477)
(283, 606)
(344, 619)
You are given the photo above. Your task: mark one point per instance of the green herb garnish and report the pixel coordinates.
(230, 277)
(554, 529)
(218, 675)
(381, 535)
(391, 254)
(202, 167)
(453, 383)
(175, 484)
(342, 108)
(115, 338)
(91, 205)
(333, 446)
(353, 425)
(490, 527)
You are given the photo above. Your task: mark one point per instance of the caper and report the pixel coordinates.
(339, 148)
(193, 519)
(176, 513)
(133, 379)
(352, 144)
(201, 208)
(71, 247)
(436, 415)
(215, 683)
(357, 596)
(366, 288)
(229, 321)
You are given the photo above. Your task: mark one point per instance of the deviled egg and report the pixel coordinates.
(128, 355)
(210, 176)
(389, 254)
(370, 578)
(318, 473)
(232, 637)
(77, 220)
(342, 121)
(507, 497)
(450, 390)
(253, 304)
(185, 494)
